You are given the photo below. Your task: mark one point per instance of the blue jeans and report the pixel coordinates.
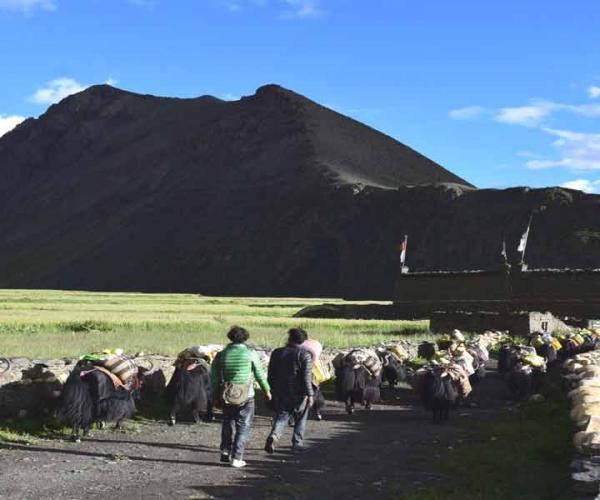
(239, 417)
(300, 416)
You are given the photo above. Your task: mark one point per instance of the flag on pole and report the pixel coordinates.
(523, 242)
(403, 247)
(503, 252)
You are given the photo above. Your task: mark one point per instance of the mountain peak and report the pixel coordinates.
(100, 91)
(275, 91)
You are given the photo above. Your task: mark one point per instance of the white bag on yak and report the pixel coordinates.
(367, 358)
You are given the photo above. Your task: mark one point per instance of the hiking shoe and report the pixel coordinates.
(238, 464)
(224, 458)
(270, 445)
(298, 448)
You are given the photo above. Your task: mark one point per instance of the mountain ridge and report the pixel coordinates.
(272, 194)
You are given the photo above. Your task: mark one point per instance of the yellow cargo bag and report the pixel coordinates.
(534, 360)
(556, 344)
(398, 351)
(320, 373)
(578, 339)
(537, 341)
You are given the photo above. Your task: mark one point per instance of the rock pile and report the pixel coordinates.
(583, 376)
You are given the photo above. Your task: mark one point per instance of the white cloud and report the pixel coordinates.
(467, 113)
(111, 81)
(302, 9)
(589, 110)
(236, 6)
(575, 151)
(292, 9)
(56, 90)
(578, 151)
(528, 116)
(28, 6)
(527, 154)
(584, 185)
(233, 6)
(594, 91)
(536, 113)
(8, 122)
(230, 97)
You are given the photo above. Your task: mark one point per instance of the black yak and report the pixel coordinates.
(394, 370)
(507, 358)
(5, 365)
(90, 395)
(548, 352)
(426, 350)
(590, 343)
(525, 380)
(570, 347)
(355, 384)
(479, 367)
(189, 389)
(319, 404)
(438, 391)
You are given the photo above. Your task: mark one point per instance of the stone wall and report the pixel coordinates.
(522, 324)
(32, 387)
(583, 377)
(564, 292)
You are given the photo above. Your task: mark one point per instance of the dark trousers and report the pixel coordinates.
(299, 415)
(238, 418)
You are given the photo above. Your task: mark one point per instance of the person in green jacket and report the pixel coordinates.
(238, 364)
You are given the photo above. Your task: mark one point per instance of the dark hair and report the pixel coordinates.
(296, 336)
(238, 335)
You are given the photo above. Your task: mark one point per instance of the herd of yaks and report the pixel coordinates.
(104, 387)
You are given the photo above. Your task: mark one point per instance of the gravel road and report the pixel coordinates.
(371, 454)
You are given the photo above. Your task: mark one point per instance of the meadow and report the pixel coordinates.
(49, 323)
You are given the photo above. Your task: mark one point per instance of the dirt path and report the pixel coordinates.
(370, 454)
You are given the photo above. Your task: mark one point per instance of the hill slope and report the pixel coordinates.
(119, 191)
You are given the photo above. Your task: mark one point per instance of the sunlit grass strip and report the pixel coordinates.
(52, 323)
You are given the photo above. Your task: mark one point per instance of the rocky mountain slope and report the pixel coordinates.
(269, 195)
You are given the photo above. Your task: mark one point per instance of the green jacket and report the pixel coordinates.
(238, 363)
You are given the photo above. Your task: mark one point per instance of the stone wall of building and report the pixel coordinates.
(522, 324)
(563, 292)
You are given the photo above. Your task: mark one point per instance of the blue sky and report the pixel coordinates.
(502, 93)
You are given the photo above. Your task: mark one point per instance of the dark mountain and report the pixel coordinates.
(269, 195)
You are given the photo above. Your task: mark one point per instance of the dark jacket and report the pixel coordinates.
(290, 376)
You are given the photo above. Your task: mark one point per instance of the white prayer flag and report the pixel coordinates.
(403, 247)
(523, 242)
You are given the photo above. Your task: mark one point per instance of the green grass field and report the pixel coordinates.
(522, 454)
(46, 323)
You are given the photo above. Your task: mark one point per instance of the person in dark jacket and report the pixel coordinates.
(291, 386)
